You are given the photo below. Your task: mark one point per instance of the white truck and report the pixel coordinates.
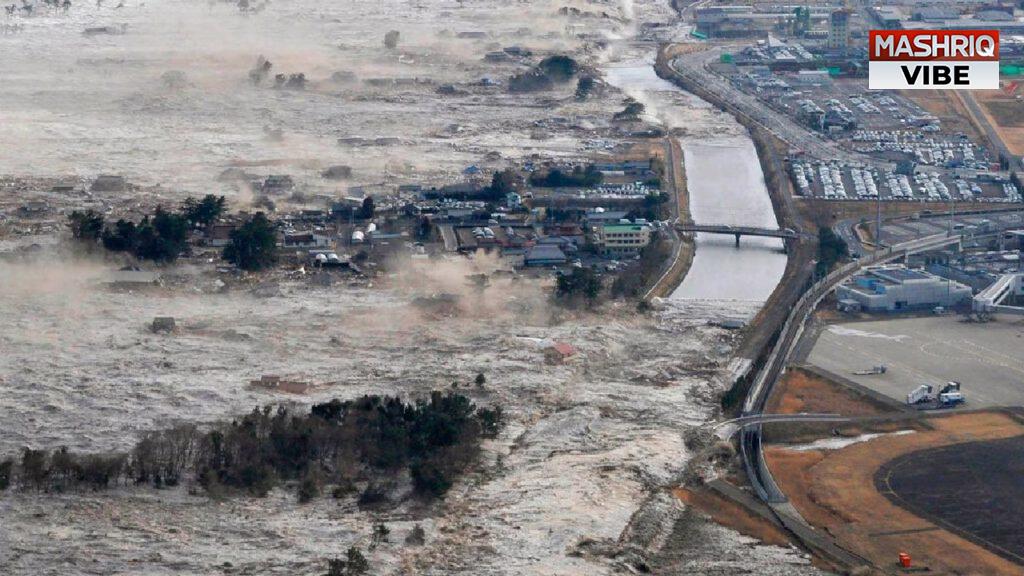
(950, 399)
(922, 393)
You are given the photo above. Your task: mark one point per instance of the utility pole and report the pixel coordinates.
(878, 221)
(952, 212)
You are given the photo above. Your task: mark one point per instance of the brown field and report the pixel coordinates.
(728, 513)
(835, 491)
(1006, 113)
(802, 391)
(948, 109)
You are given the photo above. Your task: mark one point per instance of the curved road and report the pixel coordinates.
(750, 439)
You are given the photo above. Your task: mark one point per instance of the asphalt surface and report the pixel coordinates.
(985, 358)
(907, 229)
(971, 489)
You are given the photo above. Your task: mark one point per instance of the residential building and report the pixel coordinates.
(219, 235)
(306, 240)
(545, 255)
(839, 30)
(616, 240)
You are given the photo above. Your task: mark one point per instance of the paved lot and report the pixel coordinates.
(972, 489)
(988, 359)
(905, 230)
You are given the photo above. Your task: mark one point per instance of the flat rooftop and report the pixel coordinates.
(901, 274)
(985, 358)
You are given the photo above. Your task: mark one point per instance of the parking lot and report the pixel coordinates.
(833, 180)
(913, 157)
(985, 358)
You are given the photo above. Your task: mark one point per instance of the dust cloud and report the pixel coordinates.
(587, 441)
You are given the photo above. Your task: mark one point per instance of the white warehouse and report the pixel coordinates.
(894, 288)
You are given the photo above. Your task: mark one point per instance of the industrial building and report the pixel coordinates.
(895, 288)
(947, 18)
(744, 21)
(1005, 295)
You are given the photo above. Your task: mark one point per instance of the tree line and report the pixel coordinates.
(163, 236)
(339, 443)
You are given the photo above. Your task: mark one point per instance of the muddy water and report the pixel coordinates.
(726, 186)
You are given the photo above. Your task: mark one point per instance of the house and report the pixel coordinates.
(514, 257)
(62, 188)
(306, 240)
(34, 208)
(339, 172)
(219, 235)
(275, 383)
(108, 183)
(565, 244)
(602, 216)
(131, 279)
(558, 352)
(544, 255)
(162, 324)
(627, 167)
(278, 183)
(569, 230)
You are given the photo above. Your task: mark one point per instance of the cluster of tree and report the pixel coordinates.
(559, 68)
(353, 564)
(584, 87)
(579, 177)
(502, 184)
(253, 246)
(290, 81)
(552, 70)
(582, 285)
(641, 274)
(367, 209)
(260, 71)
(205, 211)
(831, 249)
(335, 443)
(652, 209)
(87, 225)
(161, 237)
(632, 111)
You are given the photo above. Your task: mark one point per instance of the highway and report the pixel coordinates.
(693, 67)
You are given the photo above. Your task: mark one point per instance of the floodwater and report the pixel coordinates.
(726, 186)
